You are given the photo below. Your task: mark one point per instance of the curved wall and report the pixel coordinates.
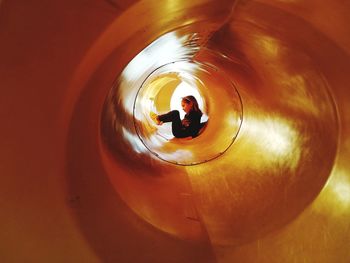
(77, 185)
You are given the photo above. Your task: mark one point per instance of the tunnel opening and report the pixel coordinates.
(280, 194)
(166, 90)
(161, 92)
(155, 80)
(286, 102)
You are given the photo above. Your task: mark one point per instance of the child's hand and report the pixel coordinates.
(185, 122)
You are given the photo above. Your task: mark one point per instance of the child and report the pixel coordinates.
(191, 123)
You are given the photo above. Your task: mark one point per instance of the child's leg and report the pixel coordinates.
(176, 125)
(171, 116)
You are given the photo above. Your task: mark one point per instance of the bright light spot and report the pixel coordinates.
(340, 187)
(166, 49)
(280, 138)
(276, 137)
(334, 199)
(156, 141)
(232, 120)
(165, 131)
(134, 141)
(269, 45)
(182, 67)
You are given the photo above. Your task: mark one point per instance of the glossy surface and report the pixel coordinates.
(77, 184)
(163, 90)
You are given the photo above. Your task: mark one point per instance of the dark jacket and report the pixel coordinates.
(194, 119)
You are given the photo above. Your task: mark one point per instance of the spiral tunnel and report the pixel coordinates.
(88, 176)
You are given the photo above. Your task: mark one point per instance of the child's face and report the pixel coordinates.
(186, 106)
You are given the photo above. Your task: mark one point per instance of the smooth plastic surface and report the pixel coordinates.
(78, 185)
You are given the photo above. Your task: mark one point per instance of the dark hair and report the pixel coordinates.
(195, 107)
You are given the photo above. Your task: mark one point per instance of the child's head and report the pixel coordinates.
(189, 103)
